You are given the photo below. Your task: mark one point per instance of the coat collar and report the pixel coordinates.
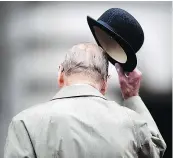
(78, 90)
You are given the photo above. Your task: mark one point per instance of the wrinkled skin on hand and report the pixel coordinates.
(129, 84)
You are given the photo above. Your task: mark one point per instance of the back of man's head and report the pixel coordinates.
(85, 63)
(86, 59)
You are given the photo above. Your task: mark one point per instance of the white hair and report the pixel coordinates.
(87, 59)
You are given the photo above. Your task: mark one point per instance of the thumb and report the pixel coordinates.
(119, 70)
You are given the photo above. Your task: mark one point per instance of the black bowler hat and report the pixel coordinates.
(120, 35)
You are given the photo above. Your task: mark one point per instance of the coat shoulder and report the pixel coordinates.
(32, 112)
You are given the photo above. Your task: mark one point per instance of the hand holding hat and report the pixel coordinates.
(129, 84)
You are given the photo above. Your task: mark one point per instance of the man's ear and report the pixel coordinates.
(60, 77)
(104, 87)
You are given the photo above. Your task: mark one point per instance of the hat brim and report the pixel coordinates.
(131, 62)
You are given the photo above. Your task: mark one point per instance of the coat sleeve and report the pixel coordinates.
(150, 142)
(18, 142)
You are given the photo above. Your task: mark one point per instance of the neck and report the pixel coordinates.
(78, 79)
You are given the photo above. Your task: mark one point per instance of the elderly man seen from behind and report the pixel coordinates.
(79, 122)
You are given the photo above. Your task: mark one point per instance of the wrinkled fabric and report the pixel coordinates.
(79, 122)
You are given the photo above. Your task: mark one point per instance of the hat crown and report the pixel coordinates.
(125, 25)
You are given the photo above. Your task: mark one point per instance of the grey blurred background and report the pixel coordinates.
(34, 37)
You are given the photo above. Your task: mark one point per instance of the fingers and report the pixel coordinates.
(131, 76)
(135, 77)
(135, 73)
(129, 85)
